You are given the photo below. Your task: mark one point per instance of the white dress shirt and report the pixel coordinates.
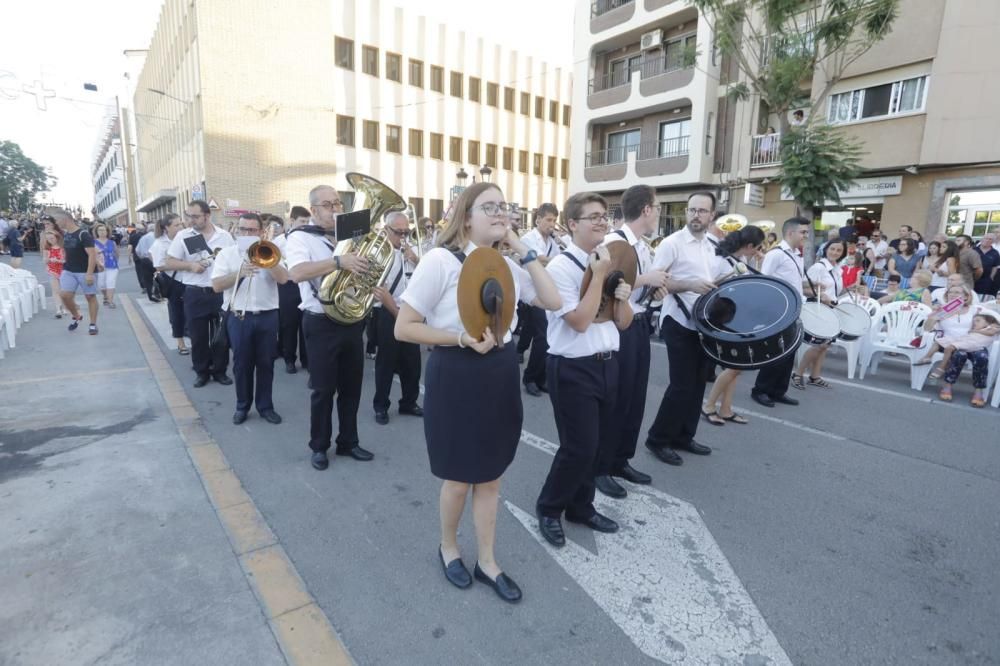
(563, 339)
(145, 243)
(827, 277)
(399, 275)
(785, 264)
(178, 250)
(259, 294)
(881, 250)
(158, 252)
(433, 290)
(686, 258)
(645, 261)
(302, 247)
(544, 247)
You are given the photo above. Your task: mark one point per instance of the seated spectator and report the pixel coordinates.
(918, 291)
(938, 296)
(953, 326)
(985, 328)
(904, 262)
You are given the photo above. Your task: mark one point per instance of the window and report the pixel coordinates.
(456, 84)
(564, 168)
(455, 149)
(526, 104)
(554, 111)
(491, 155)
(416, 73)
(676, 51)
(437, 78)
(540, 108)
(552, 167)
(492, 94)
(437, 146)
(566, 115)
(888, 99)
(418, 206)
(343, 52)
(416, 143)
(393, 138)
(394, 67)
(620, 144)
(620, 71)
(508, 159)
(536, 164)
(508, 99)
(522, 161)
(674, 138)
(369, 60)
(475, 89)
(474, 152)
(437, 209)
(371, 134)
(345, 130)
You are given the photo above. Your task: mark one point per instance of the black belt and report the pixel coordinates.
(310, 313)
(599, 356)
(258, 312)
(204, 290)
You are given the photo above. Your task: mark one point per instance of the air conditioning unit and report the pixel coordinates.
(651, 40)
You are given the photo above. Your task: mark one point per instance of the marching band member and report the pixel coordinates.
(583, 371)
(641, 217)
(472, 404)
(689, 257)
(782, 262)
(202, 304)
(251, 319)
(394, 357)
(173, 290)
(291, 338)
(540, 239)
(827, 276)
(335, 351)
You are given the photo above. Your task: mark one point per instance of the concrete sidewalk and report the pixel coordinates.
(113, 551)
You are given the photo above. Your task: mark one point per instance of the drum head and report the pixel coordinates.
(623, 262)
(747, 308)
(485, 274)
(820, 321)
(854, 320)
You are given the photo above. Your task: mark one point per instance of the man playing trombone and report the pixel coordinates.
(248, 279)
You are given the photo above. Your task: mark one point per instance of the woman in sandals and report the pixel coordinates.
(828, 279)
(107, 255)
(54, 260)
(737, 247)
(955, 325)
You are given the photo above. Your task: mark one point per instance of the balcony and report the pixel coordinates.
(657, 73)
(653, 5)
(606, 14)
(765, 150)
(652, 158)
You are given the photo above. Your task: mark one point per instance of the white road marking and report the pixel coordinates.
(664, 580)
(792, 424)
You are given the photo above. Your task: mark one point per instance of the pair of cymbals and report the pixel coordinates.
(624, 267)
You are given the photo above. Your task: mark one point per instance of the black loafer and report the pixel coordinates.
(610, 487)
(290, 368)
(665, 455)
(271, 416)
(382, 418)
(415, 410)
(505, 588)
(357, 453)
(223, 379)
(200, 381)
(632, 475)
(761, 399)
(319, 460)
(455, 571)
(785, 400)
(596, 522)
(239, 417)
(531, 388)
(552, 530)
(543, 388)
(696, 448)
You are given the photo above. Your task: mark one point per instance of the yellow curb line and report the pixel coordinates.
(302, 630)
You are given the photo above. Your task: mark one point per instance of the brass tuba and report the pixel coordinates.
(347, 297)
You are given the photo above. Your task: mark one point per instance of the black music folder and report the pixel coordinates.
(196, 244)
(353, 225)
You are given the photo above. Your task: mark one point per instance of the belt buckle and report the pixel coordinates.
(604, 356)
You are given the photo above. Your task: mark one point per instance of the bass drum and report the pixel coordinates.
(749, 321)
(819, 323)
(855, 322)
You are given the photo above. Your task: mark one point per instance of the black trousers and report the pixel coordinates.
(291, 338)
(175, 310)
(583, 393)
(677, 418)
(201, 312)
(371, 333)
(773, 379)
(394, 357)
(527, 326)
(144, 271)
(254, 341)
(633, 378)
(535, 370)
(336, 368)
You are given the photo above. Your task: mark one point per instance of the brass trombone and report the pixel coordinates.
(263, 254)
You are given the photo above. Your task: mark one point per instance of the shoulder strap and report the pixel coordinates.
(458, 254)
(620, 233)
(574, 260)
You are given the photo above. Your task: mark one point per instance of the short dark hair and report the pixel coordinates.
(895, 278)
(967, 237)
(574, 205)
(252, 216)
(792, 223)
(704, 193)
(840, 242)
(636, 198)
(546, 209)
(203, 205)
(299, 211)
(908, 227)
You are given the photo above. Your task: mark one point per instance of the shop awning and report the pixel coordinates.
(157, 200)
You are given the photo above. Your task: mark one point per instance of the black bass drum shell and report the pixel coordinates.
(749, 321)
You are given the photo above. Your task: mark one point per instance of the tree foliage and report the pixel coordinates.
(817, 163)
(21, 178)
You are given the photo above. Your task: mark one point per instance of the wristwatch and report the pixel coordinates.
(528, 258)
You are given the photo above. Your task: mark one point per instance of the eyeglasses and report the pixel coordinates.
(494, 209)
(698, 211)
(248, 230)
(330, 205)
(402, 234)
(192, 218)
(595, 219)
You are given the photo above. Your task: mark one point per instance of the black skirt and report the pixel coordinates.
(472, 413)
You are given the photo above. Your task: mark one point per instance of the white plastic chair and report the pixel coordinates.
(855, 348)
(8, 321)
(898, 324)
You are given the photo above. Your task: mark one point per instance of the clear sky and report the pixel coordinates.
(66, 43)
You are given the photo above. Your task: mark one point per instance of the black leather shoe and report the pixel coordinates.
(696, 448)
(200, 381)
(531, 388)
(382, 417)
(319, 460)
(543, 388)
(761, 399)
(415, 410)
(290, 368)
(610, 487)
(785, 400)
(632, 475)
(357, 453)
(596, 522)
(505, 588)
(271, 416)
(223, 379)
(455, 571)
(552, 530)
(666, 455)
(239, 417)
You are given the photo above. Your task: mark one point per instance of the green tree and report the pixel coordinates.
(21, 178)
(781, 47)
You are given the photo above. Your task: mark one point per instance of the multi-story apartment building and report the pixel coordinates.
(242, 105)
(108, 174)
(921, 102)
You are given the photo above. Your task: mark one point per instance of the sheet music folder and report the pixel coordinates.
(196, 244)
(353, 225)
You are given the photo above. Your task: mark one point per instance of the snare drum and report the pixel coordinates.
(820, 324)
(855, 322)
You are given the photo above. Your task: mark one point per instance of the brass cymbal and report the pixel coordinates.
(486, 277)
(624, 266)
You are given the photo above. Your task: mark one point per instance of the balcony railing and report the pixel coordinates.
(649, 150)
(765, 149)
(649, 67)
(604, 6)
(609, 81)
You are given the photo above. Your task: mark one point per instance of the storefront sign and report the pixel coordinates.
(753, 195)
(863, 188)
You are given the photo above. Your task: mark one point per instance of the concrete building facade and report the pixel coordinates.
(108, 174)
(238, 104)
